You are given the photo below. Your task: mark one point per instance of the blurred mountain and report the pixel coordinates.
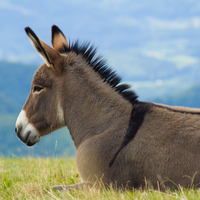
(188, 98)
(150, 43)
(15, 82)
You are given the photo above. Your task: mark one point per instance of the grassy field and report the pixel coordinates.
(32, 178)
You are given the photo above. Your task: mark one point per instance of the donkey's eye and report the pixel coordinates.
(37, 88)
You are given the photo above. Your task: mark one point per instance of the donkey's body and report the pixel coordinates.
(164, 152)
(119, 140)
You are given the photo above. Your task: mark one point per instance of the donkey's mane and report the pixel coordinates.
(100, 66)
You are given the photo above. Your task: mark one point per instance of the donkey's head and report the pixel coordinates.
(42, 113)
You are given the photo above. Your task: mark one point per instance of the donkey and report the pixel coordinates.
(120, 141)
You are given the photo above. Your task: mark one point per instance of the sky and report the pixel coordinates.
(146, 42)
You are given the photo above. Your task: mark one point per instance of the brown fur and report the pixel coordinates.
(164, 152)
(167, 148)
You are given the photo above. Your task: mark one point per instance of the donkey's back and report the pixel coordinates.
(163, 153)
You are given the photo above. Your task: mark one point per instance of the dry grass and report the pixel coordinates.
(32, 178)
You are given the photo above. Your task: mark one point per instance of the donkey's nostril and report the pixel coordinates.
(18, 130)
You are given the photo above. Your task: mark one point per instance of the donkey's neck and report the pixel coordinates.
(92, 106)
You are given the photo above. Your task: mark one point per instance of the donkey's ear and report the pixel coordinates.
(48, 54)
(59, 42)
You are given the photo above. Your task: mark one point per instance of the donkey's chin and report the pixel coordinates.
(32, 139)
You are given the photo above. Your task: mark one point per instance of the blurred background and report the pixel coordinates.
(154, 46)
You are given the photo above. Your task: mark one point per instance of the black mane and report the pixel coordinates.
(99, 65)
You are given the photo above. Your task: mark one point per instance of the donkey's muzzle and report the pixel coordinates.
(29, 138)
(26, 132)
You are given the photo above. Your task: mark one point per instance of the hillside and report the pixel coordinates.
(15, 81)
(188, 98)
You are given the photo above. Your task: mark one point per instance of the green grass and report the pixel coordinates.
(32, 178)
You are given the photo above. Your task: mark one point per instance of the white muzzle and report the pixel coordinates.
(26, 131)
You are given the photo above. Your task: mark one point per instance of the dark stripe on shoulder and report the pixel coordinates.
(137, 116)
